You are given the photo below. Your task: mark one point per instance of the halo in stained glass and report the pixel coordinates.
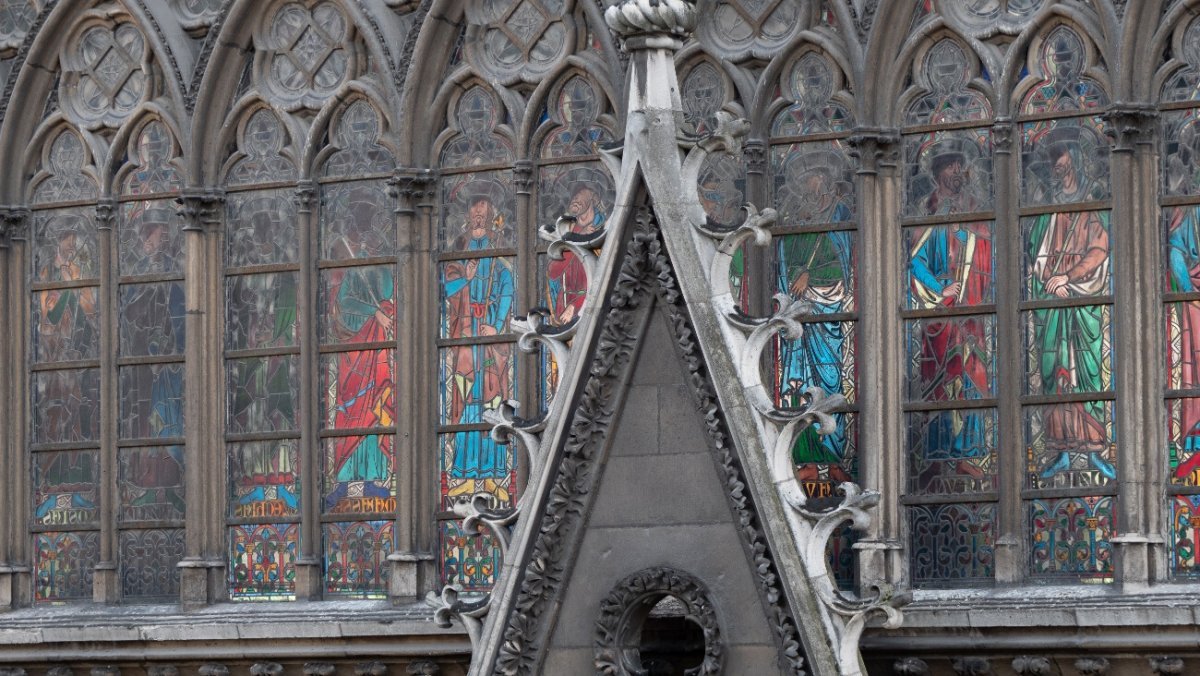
(813, 183)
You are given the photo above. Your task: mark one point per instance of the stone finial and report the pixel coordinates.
(971, 666)
(1031, 666)
(1166, 665)
(648, 17)
(1092, 666)
(910, 666)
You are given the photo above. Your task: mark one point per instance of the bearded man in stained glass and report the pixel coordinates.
(365, 313)
(951, 266)
(567, 278)
(479, 294)
(816, 268)
(1070, 258)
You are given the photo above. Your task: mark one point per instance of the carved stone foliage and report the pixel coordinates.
(645, 269)
(511, 40)
(755, 28)
(1031, 666)
(106, 72)
(625, 609)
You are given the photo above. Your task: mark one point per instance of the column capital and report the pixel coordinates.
(1130, 125)
(106, 213)
(1003, 132)
(199, 207)
(14, 224)
(875, 148)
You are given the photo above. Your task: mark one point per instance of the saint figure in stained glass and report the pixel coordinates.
(951, 266)
(1069, 255)
(479, 293)
(67, 317)
(566, 278)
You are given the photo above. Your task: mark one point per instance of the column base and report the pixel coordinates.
(309, 579)
(1135, 567)
(409, 571)
(201, 582)
(1010, 565)
(879, 560)
(106, 583)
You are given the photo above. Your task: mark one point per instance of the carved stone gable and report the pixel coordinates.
(648, 479)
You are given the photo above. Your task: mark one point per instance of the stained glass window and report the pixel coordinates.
(1069, 438)
(573, 184)
(150, 371)
(1180, 192)
(65, 306)
(352, 266)
(950, 323)
(262, 262)
(478, 284)
(813, 259)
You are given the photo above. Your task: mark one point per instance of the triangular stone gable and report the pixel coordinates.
(647, 479)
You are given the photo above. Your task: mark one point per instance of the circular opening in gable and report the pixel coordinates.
(671, 643)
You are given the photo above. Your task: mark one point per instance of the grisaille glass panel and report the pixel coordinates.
(151, 401)
(151, 238)
(356, 136)
(67, 181)
(356, 221)
(66, 406)
(311, 56)
(261, 229)
(949, 99)
(260, 311)
(153, 155)
(477, 117)
(150, 483)
(809, 85)
(262, 394)
(1184, 84)
(1065, 89)
(152, 319)
(952, 544)
(148, 559)
(259, 153)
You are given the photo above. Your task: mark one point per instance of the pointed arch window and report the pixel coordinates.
(1069, 485)
(478, 262)
(951, 415)
(812, 187)
(1180, 199)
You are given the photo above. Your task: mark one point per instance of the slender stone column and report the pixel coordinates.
(204, 450)
(106, 584)
(880, 427)
(13, 221)
(1138, 367)
(16, 294)
(308, 563)
(415, 463)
